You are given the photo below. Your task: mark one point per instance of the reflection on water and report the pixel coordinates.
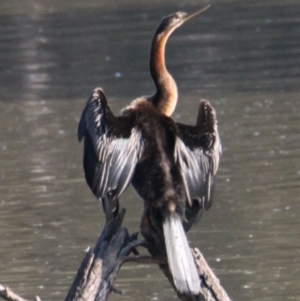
(243, 56)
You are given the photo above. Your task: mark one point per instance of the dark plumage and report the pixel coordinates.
(171, 165)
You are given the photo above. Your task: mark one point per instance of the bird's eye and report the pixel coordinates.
(176, 17)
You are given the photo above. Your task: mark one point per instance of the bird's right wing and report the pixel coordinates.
(112, 147)
(197, 152)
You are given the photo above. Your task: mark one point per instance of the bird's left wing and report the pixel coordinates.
(112, 147)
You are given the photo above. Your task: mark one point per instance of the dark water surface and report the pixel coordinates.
(242, 55)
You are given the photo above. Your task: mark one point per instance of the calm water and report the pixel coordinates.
(242, 55)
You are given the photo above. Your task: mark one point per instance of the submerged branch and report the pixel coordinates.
(7, 294)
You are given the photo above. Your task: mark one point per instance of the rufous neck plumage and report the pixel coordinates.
(166, 95)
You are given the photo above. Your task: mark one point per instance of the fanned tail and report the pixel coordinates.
(180, 259)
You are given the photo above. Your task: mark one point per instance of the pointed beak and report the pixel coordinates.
(188, 17)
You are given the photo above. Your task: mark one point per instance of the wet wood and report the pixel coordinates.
(7, 294)
(98, 271)
(96, 275)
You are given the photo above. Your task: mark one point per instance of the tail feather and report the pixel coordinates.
(180, 259)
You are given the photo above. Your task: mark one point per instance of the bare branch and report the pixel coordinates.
(208, 276)
(96, 276)
(7, 294)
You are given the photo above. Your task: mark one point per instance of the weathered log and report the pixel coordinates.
(96, 276)
(210, 288)
(97, 273)
(120, 247)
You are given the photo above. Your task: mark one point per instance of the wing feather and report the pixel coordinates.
(113, 146)
(197, 152)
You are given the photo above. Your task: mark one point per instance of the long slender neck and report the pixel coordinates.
(166, 95)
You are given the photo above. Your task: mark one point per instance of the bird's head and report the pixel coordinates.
(173, 21)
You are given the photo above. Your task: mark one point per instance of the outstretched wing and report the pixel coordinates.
(112, 148)
(197, 151)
